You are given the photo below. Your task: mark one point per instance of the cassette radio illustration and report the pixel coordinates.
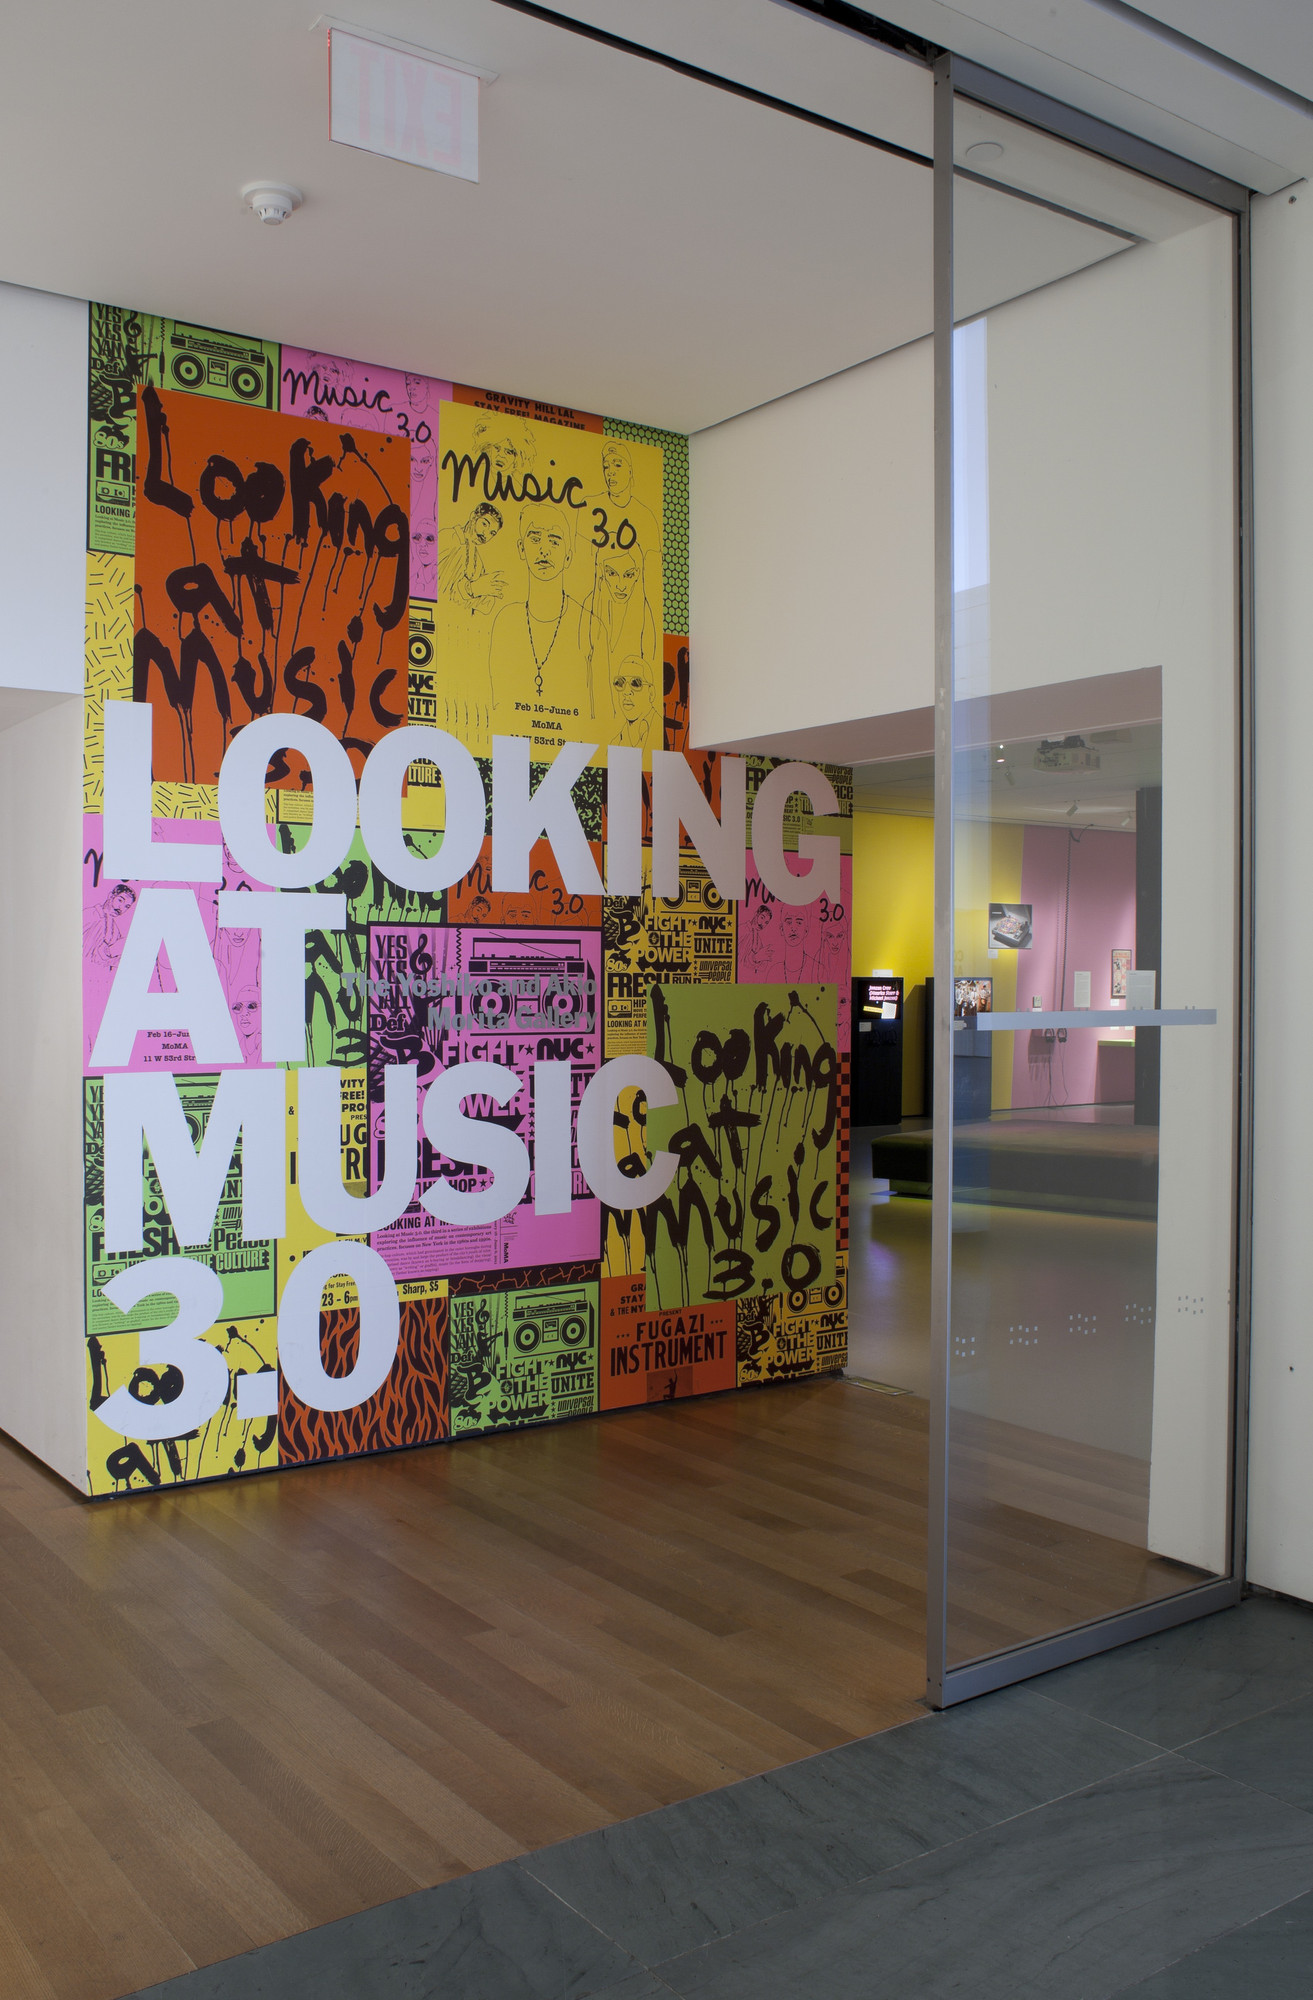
(559, 1324)
(507, 991)
(197, 359)
(697, 891)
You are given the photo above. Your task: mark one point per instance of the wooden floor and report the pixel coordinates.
(238, 1710)
(234, 1711)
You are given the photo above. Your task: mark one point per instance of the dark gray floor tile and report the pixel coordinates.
(495, 1933)
(1197, 1678)
(956, 1773)
(1071, 1902)
(1273, 1752)
(710, 1866)
(672, 1879)
(1270, 1959)
(639, 1986)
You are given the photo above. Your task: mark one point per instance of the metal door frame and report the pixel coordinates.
(946, 1685)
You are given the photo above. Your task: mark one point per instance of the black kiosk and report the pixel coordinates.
(877, 1050)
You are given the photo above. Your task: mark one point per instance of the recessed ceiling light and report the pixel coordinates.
(983, 152)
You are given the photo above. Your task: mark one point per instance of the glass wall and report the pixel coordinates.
(1086, 1139)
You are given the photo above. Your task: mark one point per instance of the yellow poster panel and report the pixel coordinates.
(225, 1445)
(301, 1234)
(549, 619)
(624, 1250)
(647, 940)
(784, 1336)
(109, 663)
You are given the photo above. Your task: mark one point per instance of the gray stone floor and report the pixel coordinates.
(1137, 1824)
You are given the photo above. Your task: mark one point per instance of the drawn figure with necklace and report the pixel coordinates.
(538, 663)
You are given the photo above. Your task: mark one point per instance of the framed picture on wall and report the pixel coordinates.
(1122, 960)
(1010, 926)
(972, 996)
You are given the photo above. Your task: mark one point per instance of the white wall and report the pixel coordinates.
(42, 1343)
(1281, 1424)
(43, 498)
(1111, 419)
(812, 554)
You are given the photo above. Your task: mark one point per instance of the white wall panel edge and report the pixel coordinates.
(43, 538)
(42, 1344)
(1281, 1380)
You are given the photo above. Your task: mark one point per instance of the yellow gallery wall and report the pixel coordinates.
(893, 921)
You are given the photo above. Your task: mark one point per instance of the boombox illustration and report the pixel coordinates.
(198, 359)
(697, 891)
(560, 1324)
(507, 992)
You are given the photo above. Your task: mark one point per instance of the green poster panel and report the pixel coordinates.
(132, 348)
(752, 1206)
(246, 1269)
(523, 1357)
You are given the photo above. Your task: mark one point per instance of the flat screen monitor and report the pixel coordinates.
(882, 999)
(972, 996)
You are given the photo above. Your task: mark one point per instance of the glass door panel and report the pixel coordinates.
(1094, 905)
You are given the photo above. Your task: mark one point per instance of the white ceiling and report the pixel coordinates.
(1272, 37)
(1003, 783)
(639, 243)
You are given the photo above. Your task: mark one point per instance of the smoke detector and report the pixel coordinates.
(272, 201)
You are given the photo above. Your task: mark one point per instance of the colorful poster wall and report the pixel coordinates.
(462, 1050)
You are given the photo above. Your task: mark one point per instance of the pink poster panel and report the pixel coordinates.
(348, 393)
(780, 942)
(108, 908)
(440, 996)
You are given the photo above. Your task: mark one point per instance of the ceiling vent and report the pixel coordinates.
(405, 103)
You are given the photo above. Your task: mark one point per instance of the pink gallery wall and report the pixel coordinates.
(1100, 915)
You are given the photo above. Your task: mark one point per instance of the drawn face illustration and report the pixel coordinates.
(793, 927)
(232, 940)
(484, 526)
(121, 900)
(245, 1011)
(762, 919)
(332, 378)
(632, 689)
(417, 391)
(616, 470)
(482, 910)
(508, 445)
(543, 546)
(620, 574)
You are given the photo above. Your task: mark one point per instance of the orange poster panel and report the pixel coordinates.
(653, 1357)
(272, 575)
(526, 406)
(473, 900)
(675, 690)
